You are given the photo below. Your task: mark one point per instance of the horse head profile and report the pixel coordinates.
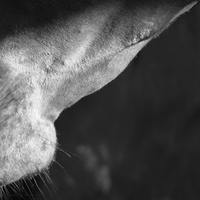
(52, 54)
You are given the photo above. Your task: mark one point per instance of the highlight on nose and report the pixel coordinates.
(28, 140)
(26, 150)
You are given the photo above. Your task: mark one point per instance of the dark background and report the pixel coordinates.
(138, 137)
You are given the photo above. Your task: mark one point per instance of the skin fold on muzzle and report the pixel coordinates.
(54, 53)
